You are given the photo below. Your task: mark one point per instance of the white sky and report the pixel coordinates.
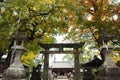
(58, 57)
(118, 0)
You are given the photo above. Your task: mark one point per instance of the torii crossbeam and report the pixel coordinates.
(60, 47)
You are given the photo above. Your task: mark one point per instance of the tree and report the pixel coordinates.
(97, 21)
(39, 20)
(80, 20)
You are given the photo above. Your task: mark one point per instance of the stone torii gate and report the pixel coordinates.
(58, 49)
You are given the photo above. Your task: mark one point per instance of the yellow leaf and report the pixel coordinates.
(27, 58)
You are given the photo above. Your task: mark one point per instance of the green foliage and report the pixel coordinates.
(68, 57)
(92, 16)
(41, 20)
(38, 20)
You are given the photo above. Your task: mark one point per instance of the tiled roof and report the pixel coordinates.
(62, 64)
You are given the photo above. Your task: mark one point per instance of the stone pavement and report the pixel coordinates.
(62, 79)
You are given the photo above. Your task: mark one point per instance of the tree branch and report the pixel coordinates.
(39, 14)
(94, 36)
(32, 32)
(1, 0)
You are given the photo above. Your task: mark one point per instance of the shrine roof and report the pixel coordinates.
(62, 64)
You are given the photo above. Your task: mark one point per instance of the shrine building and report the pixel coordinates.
(62, 68)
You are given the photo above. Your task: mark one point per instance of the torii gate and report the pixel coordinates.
(60, 49)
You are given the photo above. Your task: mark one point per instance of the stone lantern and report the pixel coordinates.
(108, 70)
(16, 70)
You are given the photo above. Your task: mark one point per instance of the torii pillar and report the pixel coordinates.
(60, 49)
(77, 65)
(46, 65)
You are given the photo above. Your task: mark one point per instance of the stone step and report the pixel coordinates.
(61, 77)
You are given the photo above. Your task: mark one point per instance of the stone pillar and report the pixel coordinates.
(16, 70)
(108, 70)
(77, 65)
(46, 66)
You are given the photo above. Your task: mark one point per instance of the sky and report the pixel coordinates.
(58, 57)
(118, 0)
